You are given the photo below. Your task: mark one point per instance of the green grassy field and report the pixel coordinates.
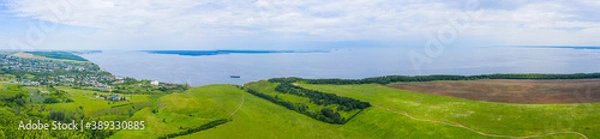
(395, 114)
(258, 118)
(180, 111)
(485, 117)
(90, 103)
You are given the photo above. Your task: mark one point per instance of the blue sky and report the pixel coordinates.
(294, 24)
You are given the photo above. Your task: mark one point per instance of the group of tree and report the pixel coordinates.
(276, 100)
(196, 129)
(55, 96)
(10, 122)
(426, 78)
(13, 96)
(15, 109)
(326, 114)
(17, 100)
(322, 98)
(334, 116)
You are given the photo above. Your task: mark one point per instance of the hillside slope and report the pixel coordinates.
(485, 118)
(398, 114)
(258, 118)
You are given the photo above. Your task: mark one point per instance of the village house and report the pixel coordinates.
(155, 82)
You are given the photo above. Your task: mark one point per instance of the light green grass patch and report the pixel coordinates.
(428, 116)
(90, 103)
(180, 111)
(487, 117)
(259, 118)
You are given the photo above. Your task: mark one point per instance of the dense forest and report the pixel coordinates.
(399, 78)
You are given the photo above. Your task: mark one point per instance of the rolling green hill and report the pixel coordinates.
(181, 111)
(485, 118)
(259, 118)
(395, 114)
(231, 111)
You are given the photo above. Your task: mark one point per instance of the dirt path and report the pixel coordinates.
(239, 107)
(479, 132)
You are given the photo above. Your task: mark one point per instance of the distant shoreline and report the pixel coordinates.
(226, 52)
(565, 47)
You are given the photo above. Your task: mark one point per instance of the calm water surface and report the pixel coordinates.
(343, 63)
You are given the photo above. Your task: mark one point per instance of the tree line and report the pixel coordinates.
(322, 98)
(400, 78)
(196, 129)
(286, 104)
(326, 114)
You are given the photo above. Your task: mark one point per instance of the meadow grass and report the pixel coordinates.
(181, 111)
(428, 116)
(259, 118)
(90, 103)
(487, 117)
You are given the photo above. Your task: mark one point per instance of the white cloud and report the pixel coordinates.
(313, 20)
(306, 17)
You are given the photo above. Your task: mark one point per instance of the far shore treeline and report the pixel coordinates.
(426, 78)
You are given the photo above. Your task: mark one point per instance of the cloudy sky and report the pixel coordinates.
(294, 24)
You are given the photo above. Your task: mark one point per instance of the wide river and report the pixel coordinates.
(344, 63)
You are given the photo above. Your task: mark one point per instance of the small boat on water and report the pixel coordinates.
(234, 76)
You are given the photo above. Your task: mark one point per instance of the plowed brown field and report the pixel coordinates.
(513, 91)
